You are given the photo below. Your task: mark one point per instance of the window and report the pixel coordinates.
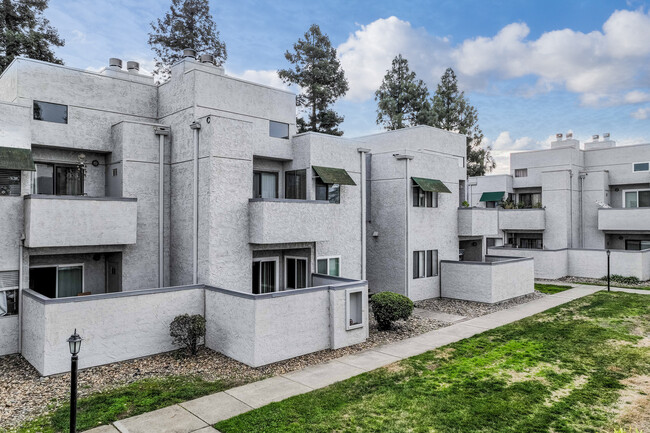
(637, 245)
(491, 242)
(57, 281)
(422, 198)
(278, 129)
(521, 172)
(50, 112)
(9, 182)
(295, 184)
(265, 275)
(8, 293)
(328, 192)
(531, 199)
(641, 166)
(354, 309)
(265, 184)
(329, 266)
(490, 204)
(425, 263)
(295, 270)
(637, 198)
(59, 179)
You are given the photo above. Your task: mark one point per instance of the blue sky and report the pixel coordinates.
(531, 68)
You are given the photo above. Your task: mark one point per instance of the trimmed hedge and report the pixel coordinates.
(387, 307)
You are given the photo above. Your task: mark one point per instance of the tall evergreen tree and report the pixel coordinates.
(318, 73)
(402, 100)
(452, 111)
(188, 24)
(25, 32)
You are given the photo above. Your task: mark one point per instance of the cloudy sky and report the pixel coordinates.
(532, 69)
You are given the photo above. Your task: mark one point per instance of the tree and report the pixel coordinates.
(402, 100)
(188, 24)
(318, 73)
(25, 32)
(452, 112)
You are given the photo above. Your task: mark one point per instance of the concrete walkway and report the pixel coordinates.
(198, 415)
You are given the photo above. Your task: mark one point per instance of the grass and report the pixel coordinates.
(612, 284)
(130, 400)
(558, 371)
(550, 289)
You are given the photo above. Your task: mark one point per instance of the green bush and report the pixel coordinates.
(622, 280)
(388, 307)
(464, 204)
(186, 331)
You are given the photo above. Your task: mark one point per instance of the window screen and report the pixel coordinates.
(9, 182)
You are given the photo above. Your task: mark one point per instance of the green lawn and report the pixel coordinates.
(136, 398)
(558, 371)
(613, 284)
(550, 289)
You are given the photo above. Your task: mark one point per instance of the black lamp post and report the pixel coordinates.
(75, 346)
(608, 253)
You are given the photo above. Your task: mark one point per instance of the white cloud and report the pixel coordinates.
(504, 145)
(641, 113)
(267, 77)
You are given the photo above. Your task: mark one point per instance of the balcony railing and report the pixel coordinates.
(624, 219)
(522, 219)
(63, 221)
(478, 221)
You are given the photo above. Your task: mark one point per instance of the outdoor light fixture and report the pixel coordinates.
(75, 346)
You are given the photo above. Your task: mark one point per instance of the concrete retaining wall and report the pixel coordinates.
(491, 281)
(8, 335)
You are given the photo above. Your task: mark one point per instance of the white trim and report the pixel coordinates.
(328, 264)
(65, 265)
(625, 191)
(306, 259)
(640, 171)
(349, 292)
(275, 259)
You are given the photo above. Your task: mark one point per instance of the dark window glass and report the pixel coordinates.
(278, 129)
(69, 180)
(265, 185)
(50, 112)
(44, 179)
(422, 198)
(328, 192)
(296, 184)
(644, 198)
(642, 166)
(321, 190)
(9, 182)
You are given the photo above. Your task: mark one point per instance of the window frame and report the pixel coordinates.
(430, 266)
(65, 265)
(637, 191)
(67, 112)
(523, 172)
(271, 122)
(7, 173)
(429, 198)
(286, 272)
(301, 173)
(318, 183)
(54, 166)
(634, 164)
(276, 260)
(277, 182)
(348, 304)
(327, 259)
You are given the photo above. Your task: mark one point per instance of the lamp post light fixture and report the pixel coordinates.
(75, 346)
(608, 277)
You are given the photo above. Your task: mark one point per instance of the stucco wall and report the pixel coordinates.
(478, 222)
(522, 219)
(8, 335)
(548, 263)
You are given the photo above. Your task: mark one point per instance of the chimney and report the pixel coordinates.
(558, 136)
(115, 63)
(133, 67)
(189, 53)
(207, 58)
(596, 143)
(595, 137)
(569, 135)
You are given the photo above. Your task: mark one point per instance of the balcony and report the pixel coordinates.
(275, 221)
(635, 219)
(66, 221)
(476, 221)
(522, 219)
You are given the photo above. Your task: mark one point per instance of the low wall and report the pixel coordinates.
(114, 326)
(491, 281)
(262, 329)
(8, 335)
(552, 264)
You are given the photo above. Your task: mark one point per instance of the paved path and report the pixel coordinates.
(198, 415)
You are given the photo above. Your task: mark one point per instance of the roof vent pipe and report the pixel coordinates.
(133, 66)
(189, 53)
(207, 58)
(569, 135)
(595, 137)
(558, 136)
(606, 136)
(115, 63)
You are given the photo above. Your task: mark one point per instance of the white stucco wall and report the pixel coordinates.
(548, 263)
(8, 335)
(478, 222)
(522, 219)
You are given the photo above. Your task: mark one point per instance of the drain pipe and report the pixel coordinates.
(571, 208)
(161, 132)
(581, 179)
(362, 156)
(20, 294)
(195, 126)
(406, 158)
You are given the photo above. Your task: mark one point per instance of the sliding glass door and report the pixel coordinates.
(265, 275)
(57, 281)
(296, 272)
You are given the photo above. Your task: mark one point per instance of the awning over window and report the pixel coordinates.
(492, 196)
(433, 185)
(333, 175)
(13, 158)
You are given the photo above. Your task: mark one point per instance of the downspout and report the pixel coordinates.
(406, 158)
(571, 208)
(20, 294)
(581, 178)
(161, 132)
(362, 156)
(195, 126)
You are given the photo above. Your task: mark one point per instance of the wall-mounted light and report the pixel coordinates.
(95, 163)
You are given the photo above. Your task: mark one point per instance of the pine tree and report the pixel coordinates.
(402, 100)
(318, 73)
(25, 32)
(452, 111)
(188, 24)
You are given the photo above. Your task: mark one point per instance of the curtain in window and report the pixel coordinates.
(269, 181)
(69, 181)
(3, 304)
(267, 283)
(301, 274)
(644, 198)
(70, 281)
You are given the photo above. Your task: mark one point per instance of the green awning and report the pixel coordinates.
(333, 175)
(433, 185)
(492, 196)
(13, 158)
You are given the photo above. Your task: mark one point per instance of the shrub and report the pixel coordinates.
(621, 279)
(388, 307)
(464, 204)
(186, 331)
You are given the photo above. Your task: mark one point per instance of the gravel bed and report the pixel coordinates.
(599, 282)
(25, 395)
